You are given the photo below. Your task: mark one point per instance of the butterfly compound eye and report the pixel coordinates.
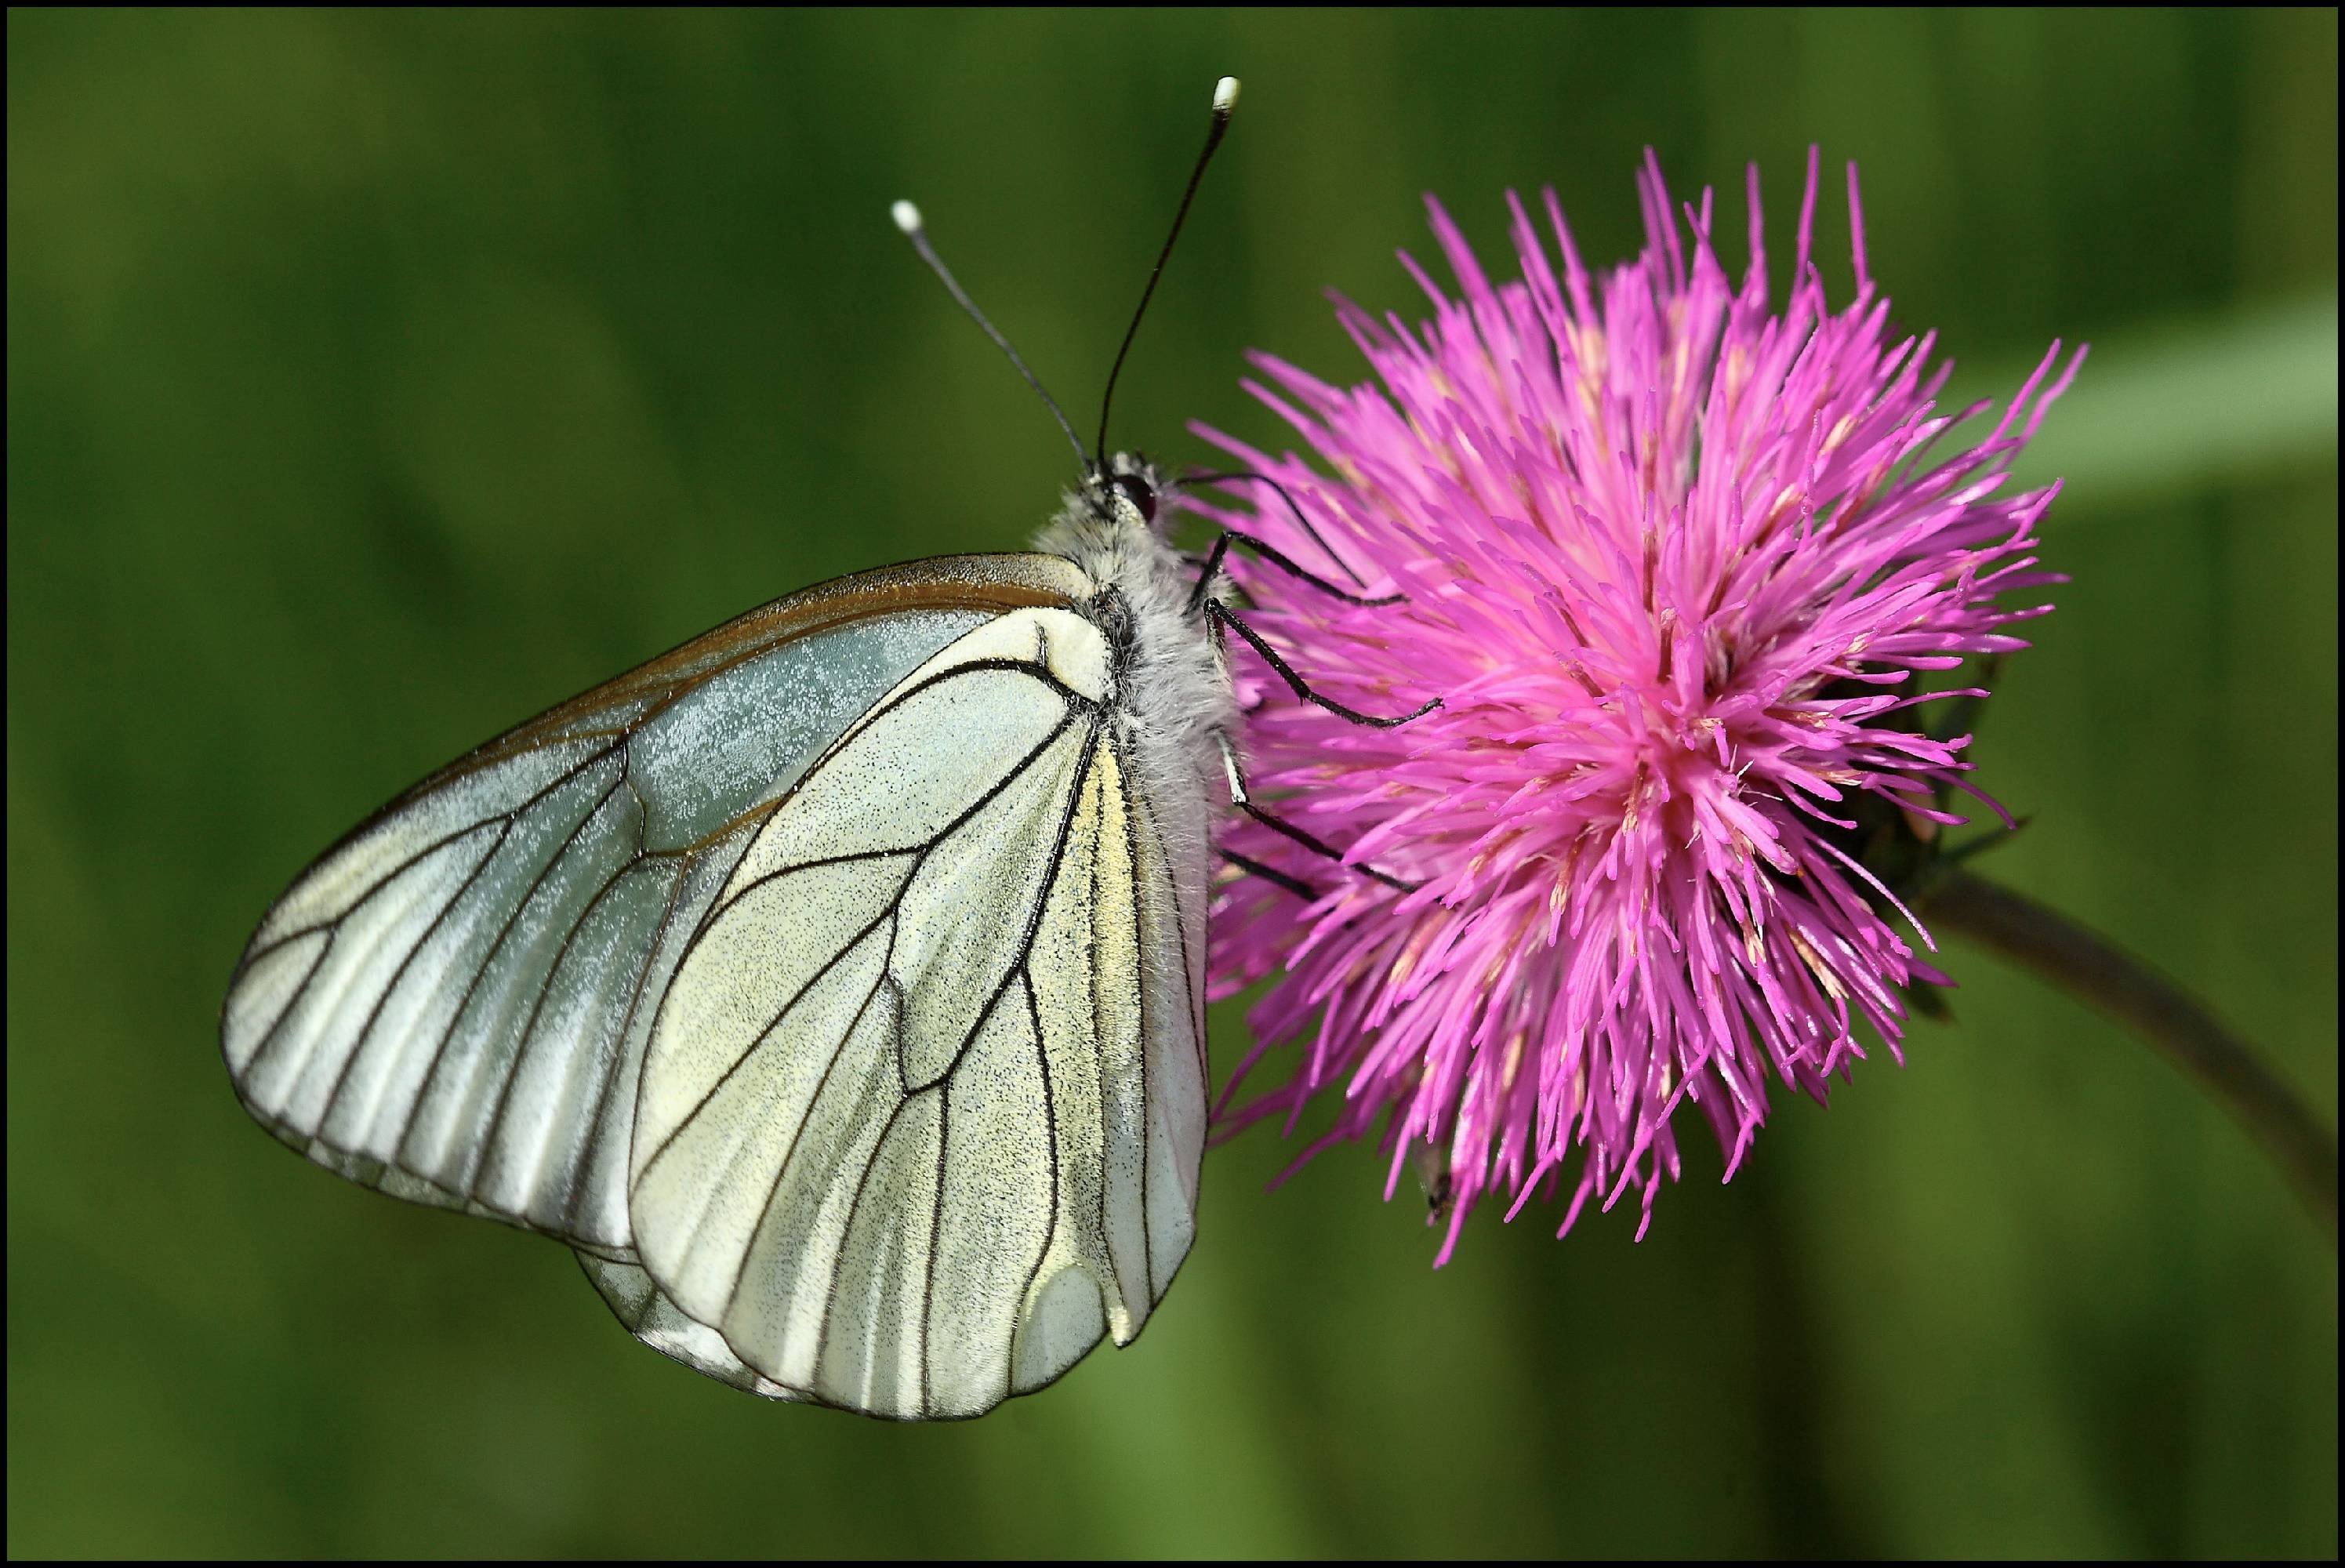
(1136, 490)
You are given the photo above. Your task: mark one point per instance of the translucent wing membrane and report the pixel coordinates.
(829, 984)
(661, 1324)
(919, 1120)
(451, 1004)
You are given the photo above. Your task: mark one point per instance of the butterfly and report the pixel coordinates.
(831, 984)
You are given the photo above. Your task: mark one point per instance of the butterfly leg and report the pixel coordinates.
(1218, 615)
(1287, 830)
(1309, 532)
(1212, 563)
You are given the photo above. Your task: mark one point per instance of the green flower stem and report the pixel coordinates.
(2160, 1012)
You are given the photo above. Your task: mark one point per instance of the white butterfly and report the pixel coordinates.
(833, 984)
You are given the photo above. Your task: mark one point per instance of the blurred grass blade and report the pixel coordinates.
(2184, 405)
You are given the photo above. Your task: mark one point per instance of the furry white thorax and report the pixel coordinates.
(1175, 691)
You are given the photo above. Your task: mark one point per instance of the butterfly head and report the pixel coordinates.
(1123, 491)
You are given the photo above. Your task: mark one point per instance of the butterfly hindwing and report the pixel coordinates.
(896, 1133)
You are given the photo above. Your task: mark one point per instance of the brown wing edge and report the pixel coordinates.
(1019, 580)
(1001, 582)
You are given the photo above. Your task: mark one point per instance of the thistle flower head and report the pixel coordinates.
(1676, 564)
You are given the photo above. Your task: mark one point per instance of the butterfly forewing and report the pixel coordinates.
(452, 1002)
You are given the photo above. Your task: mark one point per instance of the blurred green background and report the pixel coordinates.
(375, 380)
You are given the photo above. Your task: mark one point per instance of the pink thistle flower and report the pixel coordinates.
(1676, 567)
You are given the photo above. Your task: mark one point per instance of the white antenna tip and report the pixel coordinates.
(1226, 95)
(907, 216)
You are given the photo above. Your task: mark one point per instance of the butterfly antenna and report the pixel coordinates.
(908, 218)
(1226, 98)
